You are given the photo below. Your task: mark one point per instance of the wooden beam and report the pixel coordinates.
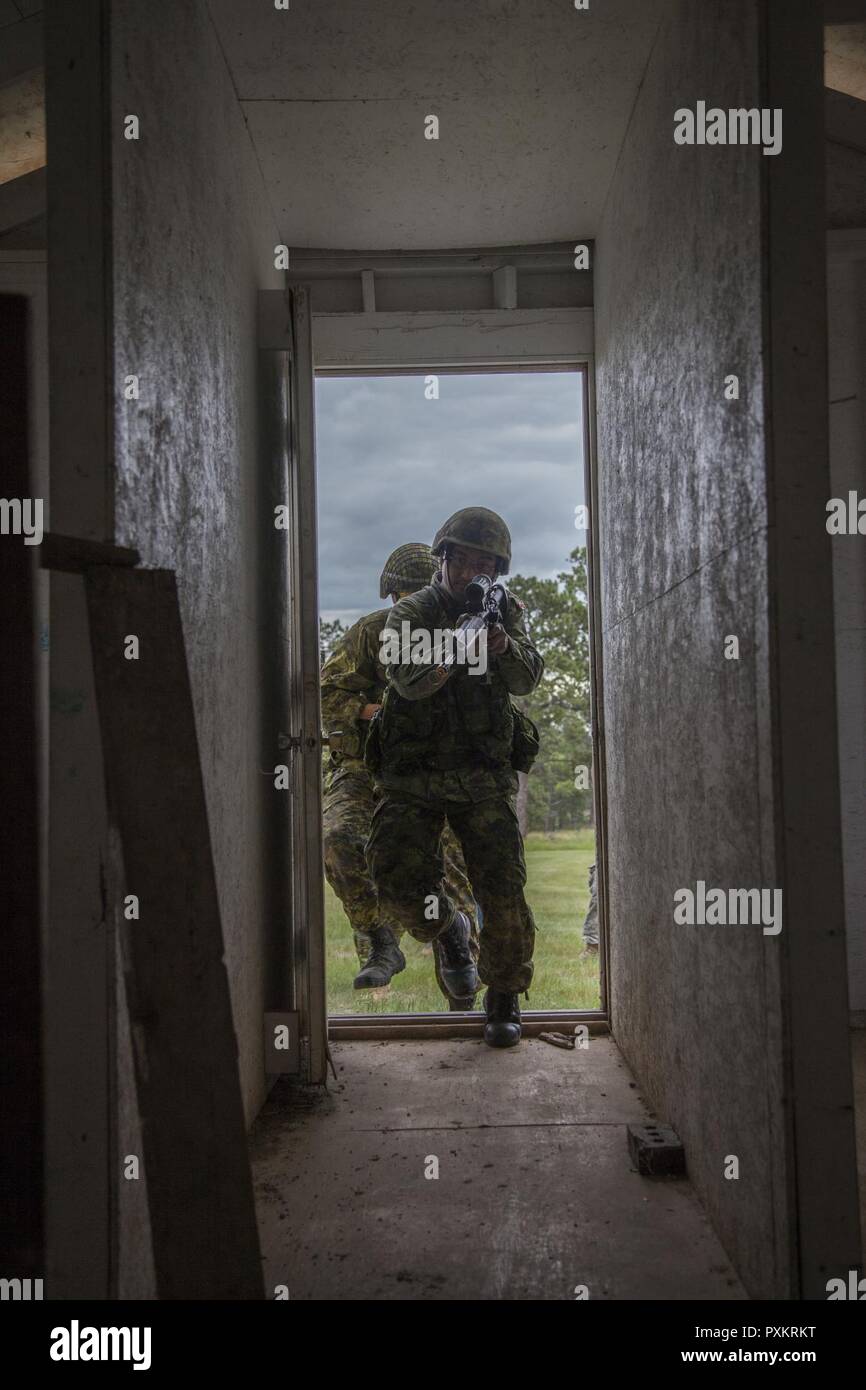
(75, 555)
(493, 337)
(199, 1184)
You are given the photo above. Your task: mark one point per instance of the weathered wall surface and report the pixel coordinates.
(193, 242)
(683, 545)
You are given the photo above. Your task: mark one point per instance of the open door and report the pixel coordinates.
(286, 346)
(305, 727)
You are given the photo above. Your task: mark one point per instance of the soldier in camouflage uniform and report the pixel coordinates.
(353, 681)
(590, 921)
(443, 745)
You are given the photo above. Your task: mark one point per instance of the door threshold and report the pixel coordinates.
(394, 1027)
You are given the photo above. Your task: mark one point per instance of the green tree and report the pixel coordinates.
(329, 635)
(558, 624)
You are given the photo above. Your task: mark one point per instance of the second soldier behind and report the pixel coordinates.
(353, 682)
(448, 743)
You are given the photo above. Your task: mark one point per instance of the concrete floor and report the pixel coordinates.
(536, 1192)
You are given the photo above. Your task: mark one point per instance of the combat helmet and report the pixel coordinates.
(407, 568)
(479, 528)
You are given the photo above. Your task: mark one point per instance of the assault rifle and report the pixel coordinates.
(486, 605)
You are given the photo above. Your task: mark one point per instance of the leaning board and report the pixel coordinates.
(205, 1241)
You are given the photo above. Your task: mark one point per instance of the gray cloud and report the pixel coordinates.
(393, 465)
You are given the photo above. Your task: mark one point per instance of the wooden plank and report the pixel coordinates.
(463, 338)
(74, 555)
(205, 1241)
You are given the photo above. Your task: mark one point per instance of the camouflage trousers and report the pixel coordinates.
(405, 861)
(347, 809)
(590, 921)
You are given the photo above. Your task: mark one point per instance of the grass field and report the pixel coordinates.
(557, 892)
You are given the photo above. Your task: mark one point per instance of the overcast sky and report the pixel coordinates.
(392, 466)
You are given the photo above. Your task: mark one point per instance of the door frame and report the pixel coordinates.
(298, 994)
(308, 902)
(408, 342)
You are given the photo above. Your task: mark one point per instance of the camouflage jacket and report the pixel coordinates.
(452, 740)
(352, 677)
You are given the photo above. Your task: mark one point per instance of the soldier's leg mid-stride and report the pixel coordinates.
(406, 865)
(346, 813)
(353, 687)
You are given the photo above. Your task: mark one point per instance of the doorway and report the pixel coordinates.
(396, 453)
(358, 323)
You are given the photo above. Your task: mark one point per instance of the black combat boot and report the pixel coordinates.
(461, 1006)
(502, 1028)
(456, 965)
(386, 959)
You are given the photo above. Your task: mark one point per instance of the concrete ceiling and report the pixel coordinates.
(533, 99)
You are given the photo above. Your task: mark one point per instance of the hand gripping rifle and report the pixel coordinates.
(486, 605)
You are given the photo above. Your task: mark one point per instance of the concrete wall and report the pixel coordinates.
(193, 242)
(683, 518)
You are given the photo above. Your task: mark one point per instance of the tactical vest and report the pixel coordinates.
(469, 722)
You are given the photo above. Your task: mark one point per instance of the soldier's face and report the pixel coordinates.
(464, 564)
